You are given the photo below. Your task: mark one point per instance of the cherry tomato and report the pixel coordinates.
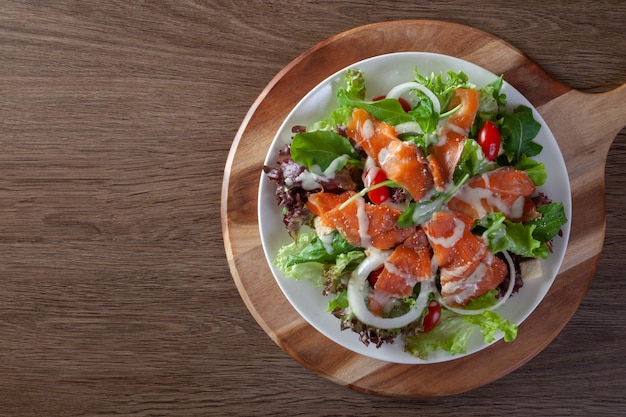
(373, 276)
(489, 140)
(406, 106)
(374, 176)
(432, 317)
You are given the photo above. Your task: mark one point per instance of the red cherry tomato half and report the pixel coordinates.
(406, 106)
(432, 317)
(489, 140)
(374, 176)
(373, 276)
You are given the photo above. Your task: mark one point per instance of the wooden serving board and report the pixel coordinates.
(583, 124)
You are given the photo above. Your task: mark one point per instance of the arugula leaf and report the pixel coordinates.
(425, 115)
(550, 222)
(472, 161)
(518, 131)
(321, 148)
(536, 170)
(387, 110)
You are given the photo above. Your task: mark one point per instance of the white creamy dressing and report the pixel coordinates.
(327, 241)
(367, 130)
(312, 178)
(364, 223)
(383, 155)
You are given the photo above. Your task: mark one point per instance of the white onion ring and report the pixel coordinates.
(408, 127)
(397, 91)
(358, 289)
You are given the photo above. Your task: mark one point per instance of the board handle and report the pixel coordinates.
(586, 123)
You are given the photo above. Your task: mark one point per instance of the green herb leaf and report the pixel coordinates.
(502, 234)
(355, 84)
(518, 131)
(489, 322)
(536, 171)
(387, 110)
(317, 251)
(550, 222)
(320, 148)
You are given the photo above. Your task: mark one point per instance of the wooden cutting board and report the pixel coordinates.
(584, 126)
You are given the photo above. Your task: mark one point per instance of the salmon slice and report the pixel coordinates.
(467, 268)
(444, 155)
(360, 223)
(505, 189)
(408, 264)
(402, 162)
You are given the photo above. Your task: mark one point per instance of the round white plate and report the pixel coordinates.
(381, 74)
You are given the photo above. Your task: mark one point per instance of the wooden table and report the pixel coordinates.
(116, 119)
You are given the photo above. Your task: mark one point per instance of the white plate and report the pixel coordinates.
(381, 74)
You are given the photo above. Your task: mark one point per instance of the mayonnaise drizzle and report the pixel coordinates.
(364, 223)
(311, 179)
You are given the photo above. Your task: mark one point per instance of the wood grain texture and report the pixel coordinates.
(570, 115)
(116, 119)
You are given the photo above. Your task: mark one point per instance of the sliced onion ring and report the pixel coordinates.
(397, 91)
(501, 301)
(358, 289)
(408, 127)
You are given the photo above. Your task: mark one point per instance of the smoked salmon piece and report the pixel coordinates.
(505, 189)
(444, 155)
(408, 264)
(360, 223)
(467, 268)
(402, 162)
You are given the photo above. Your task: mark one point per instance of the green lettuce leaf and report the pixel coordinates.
(489, 322)
(450, 334)
(444, 88)
(311, 271)
(453, 331)
(355, 89)
(504, 235)
(355, 84)
(316, 251)
(321, 148)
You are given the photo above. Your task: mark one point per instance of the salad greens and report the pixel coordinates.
(323, 158)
